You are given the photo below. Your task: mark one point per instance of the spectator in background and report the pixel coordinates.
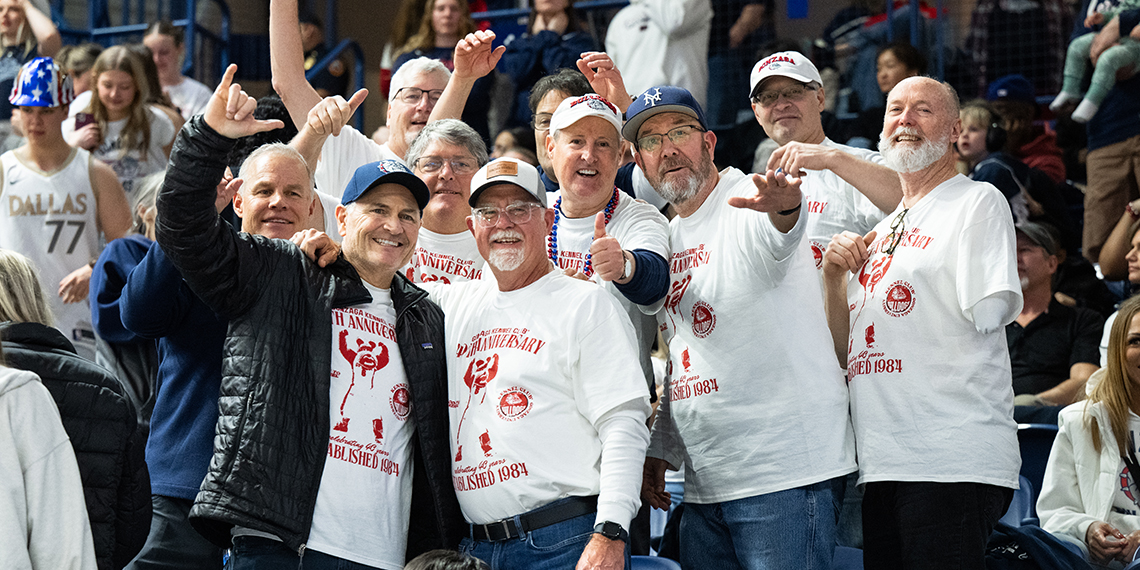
(895, 61)
(980, 148)
(1053, 348)
(738, 29)
(512, 138)
(156, 97)
(125, 132)
(25, 33)
(166, 43)
(333, 79)
(1088, 495)
(443, 24)
(663, 42)
(406, 23)
(554, 40)
(1033, 143)
(96, 410)
(77, 61)
(43, 522)
(1114, 142)
(1131, 259)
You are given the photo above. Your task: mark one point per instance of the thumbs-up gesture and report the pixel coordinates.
(606, 255)
(230, 110)
(846, 252)
(331, 115)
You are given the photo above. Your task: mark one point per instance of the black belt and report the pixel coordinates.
(561, 510)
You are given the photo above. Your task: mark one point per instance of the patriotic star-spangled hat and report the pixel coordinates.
(41, 83)
(660, 99)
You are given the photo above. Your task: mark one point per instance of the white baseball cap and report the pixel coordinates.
(507, 171)
(574, 109)
(791, 64)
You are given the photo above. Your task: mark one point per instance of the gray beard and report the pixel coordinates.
(906, 161)
(680, 191)
(506, 260)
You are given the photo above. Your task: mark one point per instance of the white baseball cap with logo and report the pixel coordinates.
(575, 109)
(791, 64)
(507, 171)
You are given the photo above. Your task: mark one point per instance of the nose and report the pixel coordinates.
(276, 200)
(1133, 254)
(445, 171)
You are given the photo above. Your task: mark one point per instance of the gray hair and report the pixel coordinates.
(450, 131)
(22, 299)
(274, 149)
(145, 193)
(411, 68)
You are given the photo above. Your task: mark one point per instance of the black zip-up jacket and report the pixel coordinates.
(100, 420)
(273, 425)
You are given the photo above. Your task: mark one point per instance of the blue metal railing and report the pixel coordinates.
(357, 71)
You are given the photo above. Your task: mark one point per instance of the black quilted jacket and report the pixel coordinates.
(273, 424)
(109, 444)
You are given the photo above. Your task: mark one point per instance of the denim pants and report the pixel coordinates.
(172, 543)
(257, 553)
(794, 528)
(556, 546)
(929, 526)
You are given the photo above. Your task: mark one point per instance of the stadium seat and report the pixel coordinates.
(847, 558)
(1021, 509)
(653, 563)
(1036, 440)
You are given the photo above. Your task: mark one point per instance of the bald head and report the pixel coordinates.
(920, 125)
(939, 92)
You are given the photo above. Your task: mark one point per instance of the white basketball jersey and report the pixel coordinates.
(51, 218)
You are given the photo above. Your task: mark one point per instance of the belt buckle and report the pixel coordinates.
(506, 529)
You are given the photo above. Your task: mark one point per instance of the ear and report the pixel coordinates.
(471, 224)
(313, 203)
(341, 213)
(710, 142)
(549, 143)
(238, 204)
(956, 129)
(548, 217)
(637, 159)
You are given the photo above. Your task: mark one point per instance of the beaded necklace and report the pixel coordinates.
(552, 239)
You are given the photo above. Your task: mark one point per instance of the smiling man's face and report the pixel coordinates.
(276, 198)
(450, 189)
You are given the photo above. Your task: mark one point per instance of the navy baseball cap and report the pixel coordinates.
(660, 99)
(384, 172)
(1015, 87)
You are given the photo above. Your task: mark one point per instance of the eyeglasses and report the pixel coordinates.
(677, 136)
(541, 121)
(793, 93)
(898, 230)
(516, 213)
(413, 95)
(431, 164)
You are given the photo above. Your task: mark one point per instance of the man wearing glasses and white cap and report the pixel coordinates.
(547, 404)
(846, 188)
(755, 405)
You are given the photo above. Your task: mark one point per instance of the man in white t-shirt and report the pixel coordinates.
(333, 393)
(547, 404)
(600, 232)
(755, 407)
(846, 188)
(920, 325)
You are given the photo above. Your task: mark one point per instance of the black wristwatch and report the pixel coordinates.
(612, 531)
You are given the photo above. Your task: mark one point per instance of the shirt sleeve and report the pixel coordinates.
(1087, 328)
(986, 262)
(340, 157)
(624, 438)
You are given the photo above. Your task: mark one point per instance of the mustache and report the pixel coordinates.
(508, 234)
(677, 161)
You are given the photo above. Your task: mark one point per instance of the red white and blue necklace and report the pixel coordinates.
(552, 239)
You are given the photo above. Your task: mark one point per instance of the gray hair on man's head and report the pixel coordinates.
(273, 149)
(450, 131)
(22, 299)
(412, 68)
(146, 192)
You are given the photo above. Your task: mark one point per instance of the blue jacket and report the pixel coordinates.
(529, 58)
(157, 303)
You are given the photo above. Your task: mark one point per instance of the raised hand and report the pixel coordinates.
(847, 252)
(227, 187)
(317, 246)
(475, 55)
(795, 157)
(230, 110)
(606, 254)
(605, 78)
(331, 115)
(775, 192)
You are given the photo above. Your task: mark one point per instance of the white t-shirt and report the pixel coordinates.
(365, 497)
(80, 103)
(931, 397)
(52, 217)
(448, 258)
(1126, 500)
(532, 371)
(328, 216)
(342, 155)
(190, 96)
(834, 206)
(133, 164)
(636, 225)
(755, 395)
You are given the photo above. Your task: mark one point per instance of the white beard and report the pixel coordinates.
(506, 260)
(907, 160)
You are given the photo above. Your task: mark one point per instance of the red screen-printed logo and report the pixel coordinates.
(900, 299)
(514, 403)
(401, 402)
(817, 253)
(704, 321)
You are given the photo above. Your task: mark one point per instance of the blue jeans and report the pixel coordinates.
(257, 553)
(556, 546)
(172, 543)
(794, 528)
